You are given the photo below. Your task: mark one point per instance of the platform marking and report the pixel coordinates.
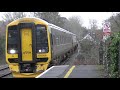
(69, 72)
(44, 72)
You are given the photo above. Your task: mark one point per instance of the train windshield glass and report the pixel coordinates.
(41, 38)
(12, 35)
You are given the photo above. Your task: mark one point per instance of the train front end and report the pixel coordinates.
(28, 51)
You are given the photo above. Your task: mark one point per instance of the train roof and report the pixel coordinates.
(59, 28)
(15, 22)
(38, 19)
(54, 26)
(49, 24)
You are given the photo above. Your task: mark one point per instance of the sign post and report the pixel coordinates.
(106, 30)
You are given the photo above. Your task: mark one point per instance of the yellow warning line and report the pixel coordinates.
(69, 72)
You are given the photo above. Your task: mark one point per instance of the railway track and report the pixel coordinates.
(5, 72)
(69, 59)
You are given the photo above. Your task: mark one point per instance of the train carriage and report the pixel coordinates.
(32, 44)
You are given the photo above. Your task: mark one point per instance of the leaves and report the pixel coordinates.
(113, 55)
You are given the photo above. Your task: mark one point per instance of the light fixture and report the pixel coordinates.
(12, 51)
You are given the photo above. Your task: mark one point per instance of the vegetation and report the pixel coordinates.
(111, 48)
(51, 17)
(10, 16)
(112, 55)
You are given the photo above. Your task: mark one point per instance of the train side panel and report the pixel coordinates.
(62, 42)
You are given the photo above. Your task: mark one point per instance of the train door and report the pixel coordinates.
(26, 44)
(27, 48)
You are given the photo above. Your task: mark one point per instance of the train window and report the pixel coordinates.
(67, 39)
(39, 27)
(53, 39)
(61, 40)
(12, 35)
(12, 39)
(64, 39)
(58, 39)
(41, 39)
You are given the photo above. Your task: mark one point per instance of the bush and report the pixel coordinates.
(113, 55)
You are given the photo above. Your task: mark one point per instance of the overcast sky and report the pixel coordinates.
(85, 16)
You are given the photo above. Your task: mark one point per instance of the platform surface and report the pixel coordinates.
(75, 71)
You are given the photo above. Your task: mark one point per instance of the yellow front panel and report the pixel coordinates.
(26, 44)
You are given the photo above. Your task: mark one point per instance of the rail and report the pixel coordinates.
(4, 71)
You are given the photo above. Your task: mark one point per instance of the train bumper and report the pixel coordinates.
(17, 74)
(25, 75)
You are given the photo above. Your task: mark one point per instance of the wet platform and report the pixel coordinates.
(75, 71)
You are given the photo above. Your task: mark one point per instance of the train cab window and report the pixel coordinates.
(41, 39)
(12, 38)
(12, 35)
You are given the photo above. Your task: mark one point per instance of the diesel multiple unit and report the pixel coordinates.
(32, 45)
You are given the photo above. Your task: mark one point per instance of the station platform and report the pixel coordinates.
(75, 71)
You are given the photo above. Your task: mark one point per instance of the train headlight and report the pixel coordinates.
(42, 50)
(12, 51)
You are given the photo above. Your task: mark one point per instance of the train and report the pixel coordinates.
(33, 45)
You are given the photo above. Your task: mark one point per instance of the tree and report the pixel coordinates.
(51, 17)
(93, 24)
(114, 23)
(37, 14)
(10, 16)
(85, 31)
(74, 25)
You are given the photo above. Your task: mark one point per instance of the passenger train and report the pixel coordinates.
(33, 45)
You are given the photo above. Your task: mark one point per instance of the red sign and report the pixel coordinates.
(106, 28)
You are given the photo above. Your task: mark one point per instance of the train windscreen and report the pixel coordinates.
(41, 39)
(12, 39)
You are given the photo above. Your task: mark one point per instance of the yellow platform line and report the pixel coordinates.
(69, 72)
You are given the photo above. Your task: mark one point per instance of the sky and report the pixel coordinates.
(86, 16)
